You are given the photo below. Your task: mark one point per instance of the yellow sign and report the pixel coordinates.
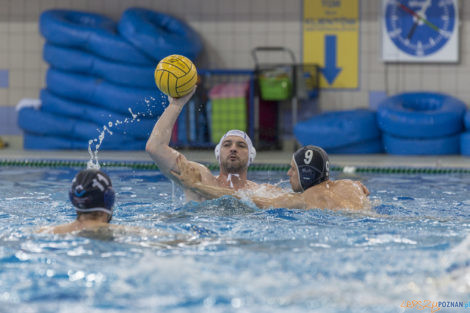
(331, 39)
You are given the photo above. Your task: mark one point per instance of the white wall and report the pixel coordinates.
(230, 30)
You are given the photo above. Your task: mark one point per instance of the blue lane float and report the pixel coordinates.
(337, 129)
(106, 95)
(428, 146)
(138, 127)
(82, 62)
(91, 32)
(421, 115)
(42, 142)
(159, 35)
(368, 147)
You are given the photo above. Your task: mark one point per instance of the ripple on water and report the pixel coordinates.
(226, 255)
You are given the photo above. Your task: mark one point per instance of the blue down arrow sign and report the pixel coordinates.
(330, 71)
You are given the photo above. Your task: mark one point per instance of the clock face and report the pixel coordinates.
(420, 27)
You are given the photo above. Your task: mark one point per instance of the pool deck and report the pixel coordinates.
(16, 152)
(263, 157)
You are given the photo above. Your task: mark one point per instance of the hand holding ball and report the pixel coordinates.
(175, 75)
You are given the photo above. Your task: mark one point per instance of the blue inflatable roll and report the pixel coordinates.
(104, 94)
(467, 120)
(79, 61)
(43, 123)
(159, 35)
(429, 146)
(337, 129)
(91, 32)
(40, 123)
(139, 127)
(41, 142)
(366, 147)
(421, 115)
(465, 143)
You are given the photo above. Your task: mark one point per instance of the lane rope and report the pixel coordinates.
(148, 165)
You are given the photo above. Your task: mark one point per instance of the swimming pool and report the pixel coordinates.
(226, 255)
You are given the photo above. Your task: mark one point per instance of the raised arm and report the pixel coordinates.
(159, 140)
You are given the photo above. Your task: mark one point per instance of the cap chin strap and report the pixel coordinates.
(229, 178)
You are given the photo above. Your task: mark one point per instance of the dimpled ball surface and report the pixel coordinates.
(175, 75)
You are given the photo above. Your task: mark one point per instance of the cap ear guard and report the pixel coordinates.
(77, 200)
(109, 198)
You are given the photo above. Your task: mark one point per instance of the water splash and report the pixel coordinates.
(263, 191)
(173, 194)
(281, 182)
(134, 116)
(93, 163)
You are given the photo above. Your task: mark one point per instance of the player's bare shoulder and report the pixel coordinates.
(350, 186)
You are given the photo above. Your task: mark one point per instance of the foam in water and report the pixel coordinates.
(264, 191)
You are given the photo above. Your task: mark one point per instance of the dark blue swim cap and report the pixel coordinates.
(92, 191)
(313, 166)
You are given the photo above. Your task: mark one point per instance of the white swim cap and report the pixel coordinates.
(238, 133)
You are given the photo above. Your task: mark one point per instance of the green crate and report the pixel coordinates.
(275, 87)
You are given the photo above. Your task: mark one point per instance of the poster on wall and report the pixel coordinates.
(331, 40)
(420, 30)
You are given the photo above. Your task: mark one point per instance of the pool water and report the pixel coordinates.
(226, 255)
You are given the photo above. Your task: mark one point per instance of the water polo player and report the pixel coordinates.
(234, 152)
(310, 181)
(310, 166)
(93, 197)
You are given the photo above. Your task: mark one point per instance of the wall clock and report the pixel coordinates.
(420, 30)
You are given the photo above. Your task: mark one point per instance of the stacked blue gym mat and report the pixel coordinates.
(411, 123)
(100, 80)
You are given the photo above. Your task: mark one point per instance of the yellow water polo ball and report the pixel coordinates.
(175, 75)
